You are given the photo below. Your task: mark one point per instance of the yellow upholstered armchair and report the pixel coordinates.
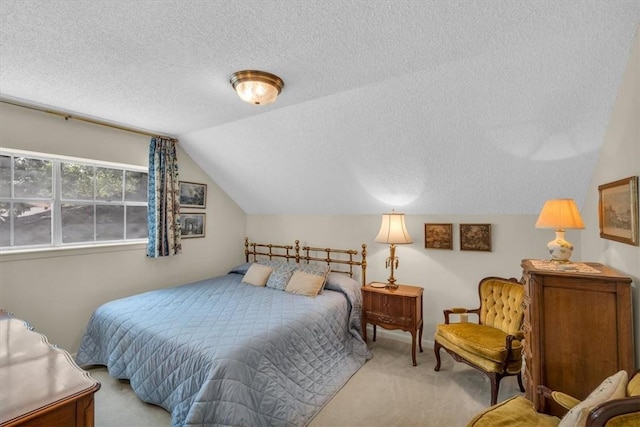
(494, 344)
(614, 403)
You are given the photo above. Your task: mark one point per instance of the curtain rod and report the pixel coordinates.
(68, 116)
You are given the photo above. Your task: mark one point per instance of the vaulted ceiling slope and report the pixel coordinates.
(430, 106)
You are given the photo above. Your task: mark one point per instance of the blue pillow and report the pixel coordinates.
(282, 272)
(241, 269)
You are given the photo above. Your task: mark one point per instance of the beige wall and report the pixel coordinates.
(449, 277)
(56, 291)
(619, 158)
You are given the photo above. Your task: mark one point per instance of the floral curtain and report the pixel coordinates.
(163, 212)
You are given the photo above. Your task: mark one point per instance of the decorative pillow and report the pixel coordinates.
(318, 270)
(271, 263)
(339, 281)
(257, 275)
(613, 387)
(302, 283)
(242, 268)
(281, 274)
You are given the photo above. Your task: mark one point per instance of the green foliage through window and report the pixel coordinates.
(46, 201)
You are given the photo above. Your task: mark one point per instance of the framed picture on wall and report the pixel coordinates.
(475, 237)
(192, 225)
(618, 210)
(193, 195)
(438, 236)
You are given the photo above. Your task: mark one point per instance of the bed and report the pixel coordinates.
(220, 352)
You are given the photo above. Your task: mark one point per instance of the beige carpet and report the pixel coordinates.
(387, 391)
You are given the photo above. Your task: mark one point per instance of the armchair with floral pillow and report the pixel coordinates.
(614, 403)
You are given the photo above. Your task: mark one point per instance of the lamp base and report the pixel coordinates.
(392, 262)
(559, 248)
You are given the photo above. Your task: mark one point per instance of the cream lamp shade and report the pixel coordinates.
(393, 231)
(560, 214)
(256, 87)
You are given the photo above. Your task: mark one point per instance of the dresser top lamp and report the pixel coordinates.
(560, 215)
(393, 231)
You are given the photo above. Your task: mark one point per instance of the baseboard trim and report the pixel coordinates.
(396, 335)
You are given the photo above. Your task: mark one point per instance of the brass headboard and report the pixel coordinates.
(334, 258)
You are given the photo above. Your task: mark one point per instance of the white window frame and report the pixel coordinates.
(56, 202)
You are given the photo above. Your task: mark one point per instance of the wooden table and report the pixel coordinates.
(394, 308)
(40, 385)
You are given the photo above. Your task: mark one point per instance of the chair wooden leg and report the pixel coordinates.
(436, 350)
(520, 381)
(495, 386)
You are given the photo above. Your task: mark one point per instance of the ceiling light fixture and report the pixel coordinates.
(256, 87)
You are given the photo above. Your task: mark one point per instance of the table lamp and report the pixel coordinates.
(560, 214)
(394, 232)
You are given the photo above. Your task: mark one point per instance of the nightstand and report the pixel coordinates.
(399, 308)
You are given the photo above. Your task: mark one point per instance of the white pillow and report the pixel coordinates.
(257, 275)
(613, 387)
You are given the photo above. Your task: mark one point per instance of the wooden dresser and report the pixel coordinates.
(399, 308)
(40, 385)
(578, 329)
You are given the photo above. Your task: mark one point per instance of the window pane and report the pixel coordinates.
(32, 224)
(135, 186)
(137, 222)
(77, 223)
(5, 176)
(109, 184)
(33, 178)
(5, 224)
(109, 222)
(85, 201)
(77, 181)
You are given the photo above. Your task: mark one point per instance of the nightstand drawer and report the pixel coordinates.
(387, 319)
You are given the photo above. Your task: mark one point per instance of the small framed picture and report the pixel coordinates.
(193, 195)
(192, 225)
(438, 236)
(475, 237)
(618, 210)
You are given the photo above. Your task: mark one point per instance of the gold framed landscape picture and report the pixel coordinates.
(438, 236)
(475, 237)
(618, 210)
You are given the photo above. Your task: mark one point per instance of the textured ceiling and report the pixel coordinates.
(429, 107)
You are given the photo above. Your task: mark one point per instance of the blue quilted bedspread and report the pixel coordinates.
(222, 353)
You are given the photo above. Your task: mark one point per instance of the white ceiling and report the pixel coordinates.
(428, 107)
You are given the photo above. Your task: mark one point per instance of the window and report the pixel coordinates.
(54, 201)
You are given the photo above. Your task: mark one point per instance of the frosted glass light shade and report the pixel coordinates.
(256, 87)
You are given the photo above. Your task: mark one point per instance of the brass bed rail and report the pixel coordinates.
(334, 258)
